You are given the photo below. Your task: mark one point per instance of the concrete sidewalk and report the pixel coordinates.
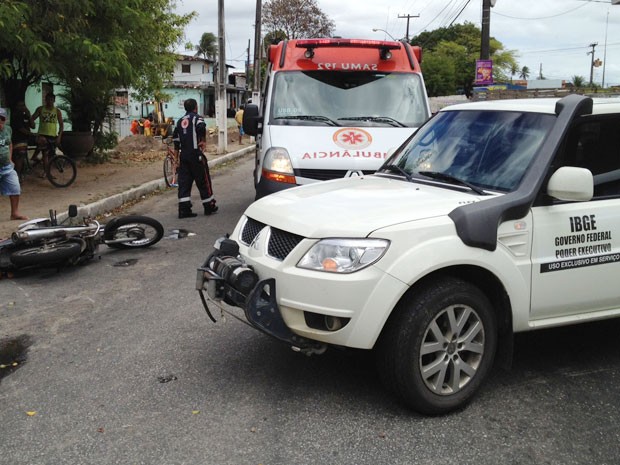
(38, 204)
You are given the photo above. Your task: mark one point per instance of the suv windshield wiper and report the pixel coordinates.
(378, 119)
(324, 119)
(453, 179)
(398, 169)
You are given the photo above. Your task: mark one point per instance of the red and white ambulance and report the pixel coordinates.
(333, 108)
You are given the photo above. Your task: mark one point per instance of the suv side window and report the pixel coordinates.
(594, 143)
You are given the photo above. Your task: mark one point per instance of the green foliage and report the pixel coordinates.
(442, 68)
(207, 48)
(460, 44)
(578, 81)
(104, 142)
(524, 73)
(91, 46)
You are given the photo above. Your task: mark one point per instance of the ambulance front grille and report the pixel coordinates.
(325, 175)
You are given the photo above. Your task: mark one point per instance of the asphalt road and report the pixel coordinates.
(120, 365)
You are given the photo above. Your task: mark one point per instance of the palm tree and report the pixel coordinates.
(525, 73)
(514, 69)
(207, 48)
(578, 81)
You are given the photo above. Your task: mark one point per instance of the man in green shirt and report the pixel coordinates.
(51, 126)
(9, 181)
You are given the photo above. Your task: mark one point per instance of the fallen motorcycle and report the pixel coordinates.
(45, 242)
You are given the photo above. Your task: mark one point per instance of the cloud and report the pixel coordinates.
(554, 34)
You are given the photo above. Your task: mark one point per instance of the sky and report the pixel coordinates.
(549, 36)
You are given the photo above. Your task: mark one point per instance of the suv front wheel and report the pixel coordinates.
(439, 345)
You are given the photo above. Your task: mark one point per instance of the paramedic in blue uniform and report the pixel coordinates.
(189, 137)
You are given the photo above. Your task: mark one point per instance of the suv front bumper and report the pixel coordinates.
(227, 279)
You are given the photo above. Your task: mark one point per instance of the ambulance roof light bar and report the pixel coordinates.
(383, 46)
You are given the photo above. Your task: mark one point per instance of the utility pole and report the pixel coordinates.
(247, 69)
(220, 106)
(592, 61)
(408, 18)
(257, 49)
(485, 52)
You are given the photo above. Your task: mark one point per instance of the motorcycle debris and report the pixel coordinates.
(180, 234)
(166, 379)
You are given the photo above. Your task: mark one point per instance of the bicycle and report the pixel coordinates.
(171, 165)
(61, 170)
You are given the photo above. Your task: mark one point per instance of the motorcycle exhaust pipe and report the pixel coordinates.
(51, 233)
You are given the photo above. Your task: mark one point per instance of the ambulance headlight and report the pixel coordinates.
(343, 255)
(277, 159)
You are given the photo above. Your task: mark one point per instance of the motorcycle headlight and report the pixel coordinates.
(343, 255)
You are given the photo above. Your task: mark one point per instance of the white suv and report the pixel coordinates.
(493, 218)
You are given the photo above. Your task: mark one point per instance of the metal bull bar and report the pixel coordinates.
(227, 278)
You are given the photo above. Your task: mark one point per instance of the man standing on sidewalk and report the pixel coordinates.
(9, 181)
(190, 137)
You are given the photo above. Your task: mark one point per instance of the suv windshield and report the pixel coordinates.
(348, 98)
(488, 149)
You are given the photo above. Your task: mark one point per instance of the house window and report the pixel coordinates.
(186, 68)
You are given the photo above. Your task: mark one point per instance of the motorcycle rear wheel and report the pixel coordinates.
(46, 254)
(140, 232)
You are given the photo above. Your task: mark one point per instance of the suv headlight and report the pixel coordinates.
(343, 255)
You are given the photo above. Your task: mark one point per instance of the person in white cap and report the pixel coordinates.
(9, 181)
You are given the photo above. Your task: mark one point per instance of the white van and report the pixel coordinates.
(333, 108)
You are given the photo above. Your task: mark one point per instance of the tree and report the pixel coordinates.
(92, 47)
(31, 28)
(578, 81)
(461, 43)
(296, 18)
(525, 73)
(442, 69)
(207, 48)
(514, 69)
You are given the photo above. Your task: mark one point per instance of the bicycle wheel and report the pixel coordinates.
(170, 171)
(61, 171)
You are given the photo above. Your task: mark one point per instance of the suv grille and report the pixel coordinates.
(281, 243)
(251, 230)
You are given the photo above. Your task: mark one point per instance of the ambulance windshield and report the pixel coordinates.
(348, 98)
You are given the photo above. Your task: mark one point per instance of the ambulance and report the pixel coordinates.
(333, 108)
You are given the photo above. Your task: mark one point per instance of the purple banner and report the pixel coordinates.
(484, 72)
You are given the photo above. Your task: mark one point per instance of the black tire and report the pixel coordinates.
(170, 172)
(46, 255)
(61, 171)
(456, 359)
(143, 231)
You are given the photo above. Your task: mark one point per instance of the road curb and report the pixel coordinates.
(110, 203)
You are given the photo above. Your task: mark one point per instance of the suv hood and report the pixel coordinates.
(354, 207)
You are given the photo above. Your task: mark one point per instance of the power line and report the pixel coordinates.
(541, 17)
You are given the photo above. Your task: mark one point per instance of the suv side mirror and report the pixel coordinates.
(251, 120)
(572, 184)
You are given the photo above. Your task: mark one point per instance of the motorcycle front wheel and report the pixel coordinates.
(134, 231)
(46, 254)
